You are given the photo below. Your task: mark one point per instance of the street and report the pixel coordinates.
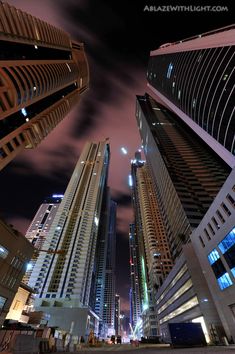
(154, 349)
(144, 349)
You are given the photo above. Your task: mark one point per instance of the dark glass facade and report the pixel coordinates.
(200, 83)
(135, 277)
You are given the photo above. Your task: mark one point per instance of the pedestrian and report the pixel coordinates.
(82, 341)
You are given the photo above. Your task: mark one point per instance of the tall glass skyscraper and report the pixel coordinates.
(102, 298)
(135, 291)
(64, 281)
(188, 141)
(187, 173)
(42, 75)
(110, 272)
(195, 78)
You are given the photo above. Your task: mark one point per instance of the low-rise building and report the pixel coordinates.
(201, 285)
(185, 297)
(214, 244)
(15, 252)
(20, 302)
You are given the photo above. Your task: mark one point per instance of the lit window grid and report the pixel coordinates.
(185, 287)
(213, 256)
(225, 280)
(227, 242)
(174, 281)
(184, 307)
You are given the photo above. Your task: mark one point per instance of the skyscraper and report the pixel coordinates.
(158, 257)
(96, 300)
(102, 298)
(187, 174)
(38, 230)
(117, 315)
(42, 75)
(64, 281)
(139, 286)
(195, 79)
(135, 291)
(110, 272)
(15, 253)
(190, 156)
(151, 257)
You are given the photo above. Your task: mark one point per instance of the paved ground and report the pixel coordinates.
(157, 349)
(150, 349)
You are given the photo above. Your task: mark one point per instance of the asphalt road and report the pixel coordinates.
(150, 349)
(156, 349)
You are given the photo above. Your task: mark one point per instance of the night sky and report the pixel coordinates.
(118, 37)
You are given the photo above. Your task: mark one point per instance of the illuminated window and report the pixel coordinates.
(213, 256)
(169, 70)
(224, 281)
(174, 281)
(2, 301)
(227, 247)
(178, 293)
(228, 241)
(16, 305)
(233, 271)
(3, 252)
(185, 307)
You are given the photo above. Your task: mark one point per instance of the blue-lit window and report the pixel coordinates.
(233, 271)
(169, 70)
(228, 241)
(224, 281)
(213, 256)
(2, 301)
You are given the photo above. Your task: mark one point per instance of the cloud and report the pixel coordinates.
(107, 109)
(61, 149)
